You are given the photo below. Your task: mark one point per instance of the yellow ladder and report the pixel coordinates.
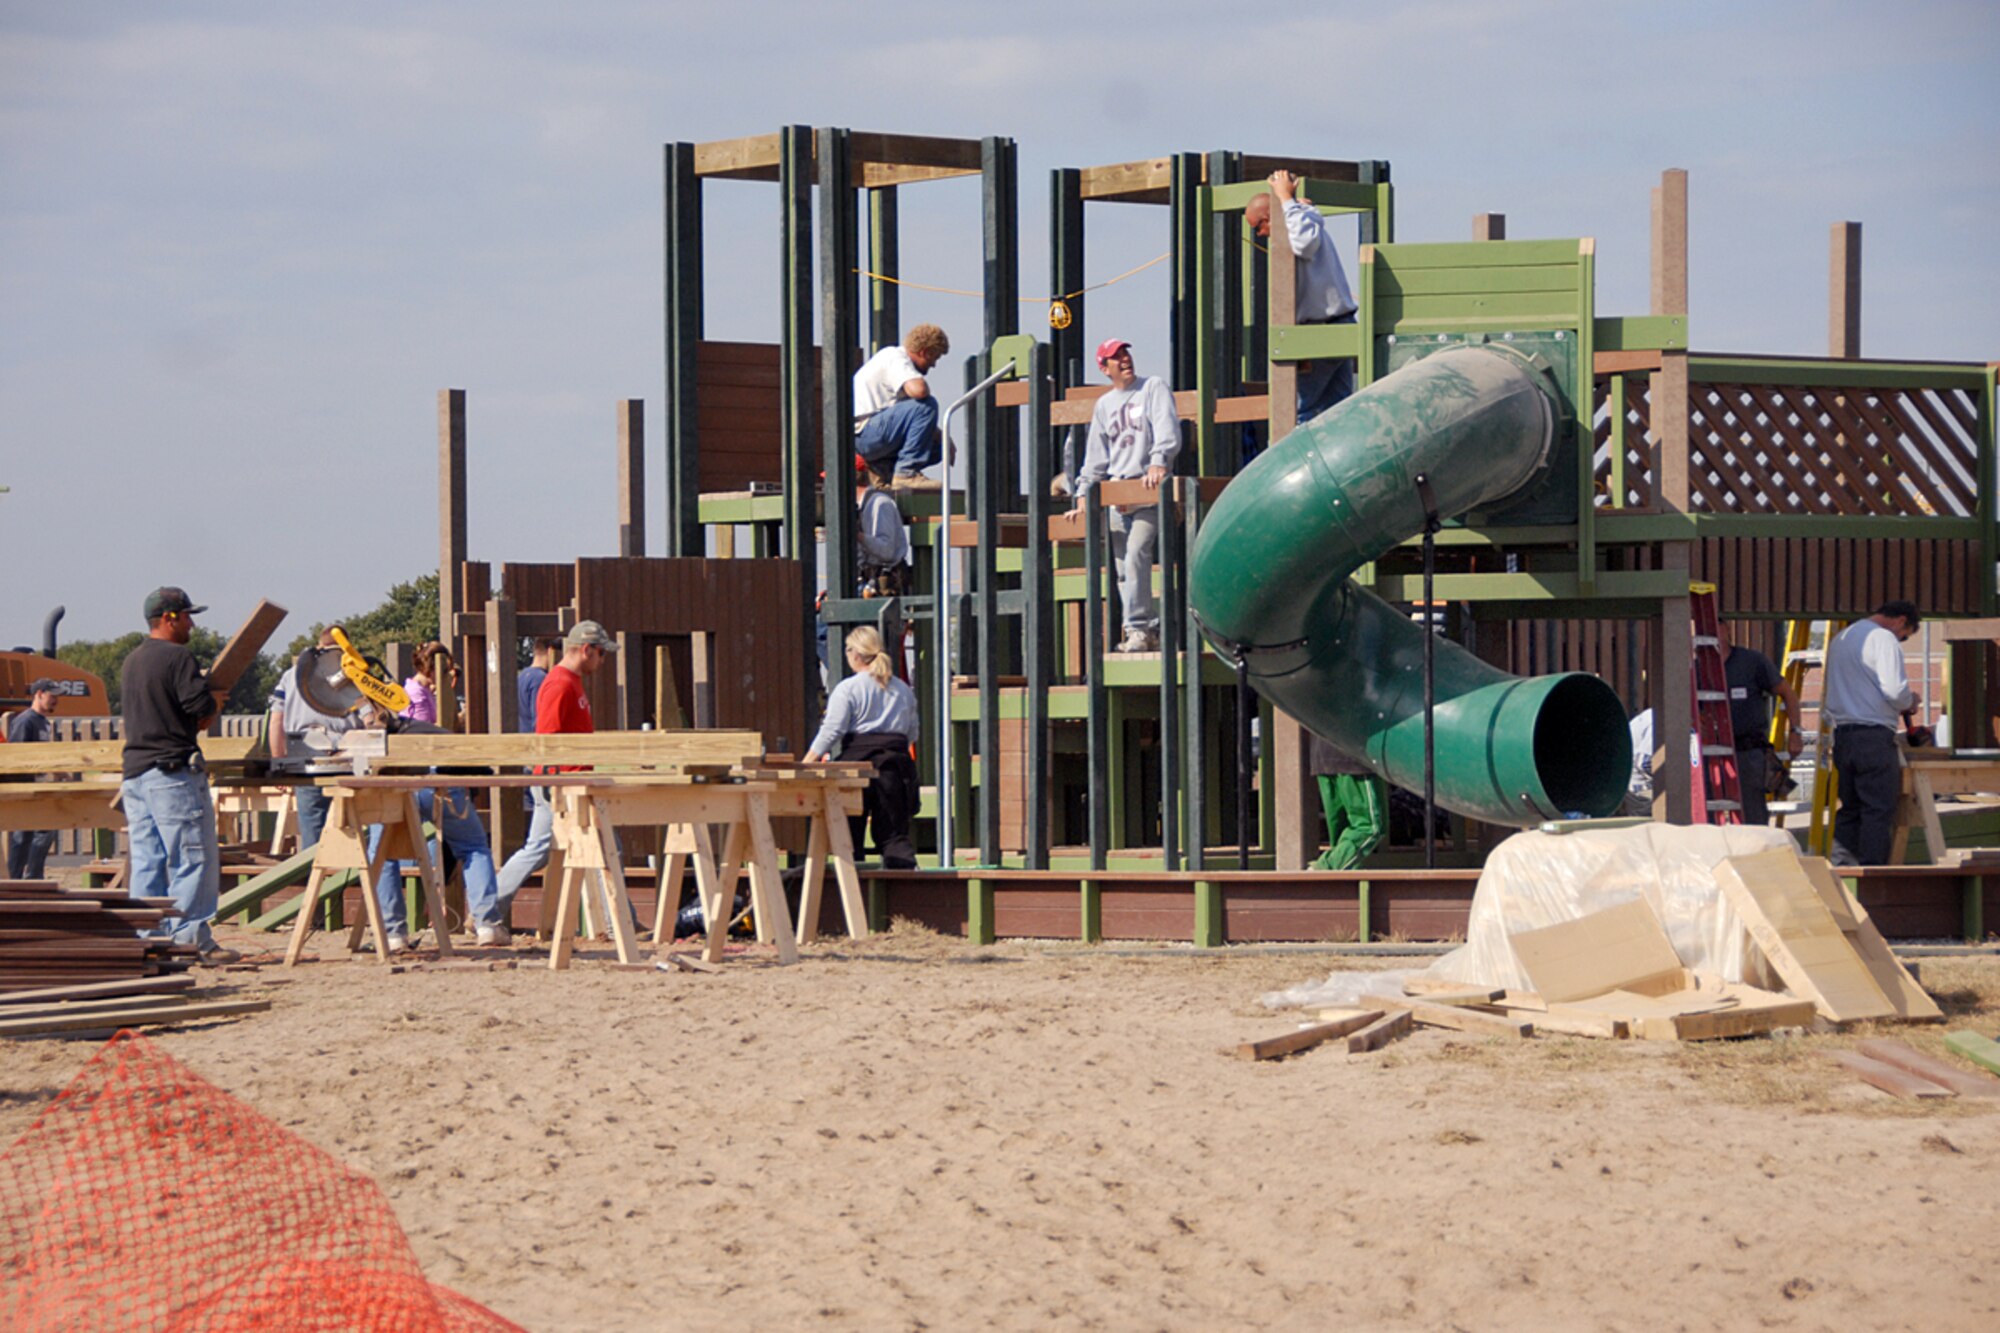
(1801, 658)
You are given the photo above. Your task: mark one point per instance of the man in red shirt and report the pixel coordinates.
(561, 709)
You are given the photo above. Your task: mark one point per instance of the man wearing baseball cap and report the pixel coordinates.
(561, 708)
(169, 815)
(1134, 432)
(28, 849)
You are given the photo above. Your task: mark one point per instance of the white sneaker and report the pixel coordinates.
(398, 942)
(1138, 641)
(491, 935)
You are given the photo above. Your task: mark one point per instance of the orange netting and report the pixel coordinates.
(146, 1197)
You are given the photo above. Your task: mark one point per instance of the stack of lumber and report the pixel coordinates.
(1901, 1070)
(98, 1009)
(52, 937)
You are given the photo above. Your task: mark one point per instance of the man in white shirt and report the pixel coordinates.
(1319, 285)
(1134, 432)
(1867, 692)
(895, 416)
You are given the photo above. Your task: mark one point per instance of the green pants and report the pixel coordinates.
(1356, 815)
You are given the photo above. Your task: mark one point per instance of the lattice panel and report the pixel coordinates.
(1781, 449)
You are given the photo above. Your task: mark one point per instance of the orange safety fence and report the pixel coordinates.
(145, 1197)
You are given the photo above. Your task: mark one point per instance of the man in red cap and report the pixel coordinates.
(1133, 433)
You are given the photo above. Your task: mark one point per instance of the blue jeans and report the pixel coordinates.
(313, 803)
(27, 850)
(459, 827)
(170, 822)
(534, 853)
(906, 430)
(1325, 382)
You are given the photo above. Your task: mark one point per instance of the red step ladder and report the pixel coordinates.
(1720, 790)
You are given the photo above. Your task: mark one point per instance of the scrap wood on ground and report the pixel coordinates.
(1616, 973)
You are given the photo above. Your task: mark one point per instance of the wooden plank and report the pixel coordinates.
(1622, 947)
(97, 989)
(1889, 1078)
(1982, 1051)
(1765, 1013)
(1901, 989)
(1448, 1016)
(141, 1015)
(1910, 1060)
(243, 647)
(1559, 1021)
(1271, 1048)
(663, 749)
(106, 756)
(1451, 992)
(1790, 923)
(1381, 1032)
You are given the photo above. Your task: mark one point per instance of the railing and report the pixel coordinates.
(1772, 437)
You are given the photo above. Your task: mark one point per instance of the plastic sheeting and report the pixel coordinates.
(1538, 879)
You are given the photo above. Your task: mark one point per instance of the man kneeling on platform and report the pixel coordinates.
(895, 416)
(1356, 803)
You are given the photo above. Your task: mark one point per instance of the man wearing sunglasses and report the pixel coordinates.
(1867, 692)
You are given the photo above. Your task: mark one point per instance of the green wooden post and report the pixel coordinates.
(878, 905)
(1616, 394)
(979, 911)
(1364, 929)
(1091, 903)
(1207, 914)
(1583, 395)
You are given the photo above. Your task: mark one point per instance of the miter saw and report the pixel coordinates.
(339, 681)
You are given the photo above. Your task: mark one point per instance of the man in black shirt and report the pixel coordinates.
(1752, 679)
(28, 849)
(169, 816)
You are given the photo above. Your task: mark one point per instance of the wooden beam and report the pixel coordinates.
(1306, 1038)
(1843, 283)
(1894, 1081)
(241, 650)
(503, 637)
(1489, 226)
(751, 159)
(1907, 1058)
(1670, 236)
(632, 477)
(451, 512)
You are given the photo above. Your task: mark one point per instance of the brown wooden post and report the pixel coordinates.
(1672, 641)
(1294, 809)
(632, 477)
(631, 682)
(1843, 282)
(451, 515)
(1489, 226)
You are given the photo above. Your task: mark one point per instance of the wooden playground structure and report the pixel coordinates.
(1116, 795)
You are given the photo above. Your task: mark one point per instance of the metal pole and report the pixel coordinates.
(1244, 702)
(1431, 526)
(946, 852)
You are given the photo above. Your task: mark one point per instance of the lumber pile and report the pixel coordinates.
(54, 937)
(77, 1012)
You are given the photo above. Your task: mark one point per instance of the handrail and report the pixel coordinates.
(942, 650)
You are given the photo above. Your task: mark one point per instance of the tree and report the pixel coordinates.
(408, 615)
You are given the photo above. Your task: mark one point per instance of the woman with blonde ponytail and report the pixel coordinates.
(871, 717)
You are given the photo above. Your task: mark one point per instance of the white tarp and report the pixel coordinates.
(1542, 879)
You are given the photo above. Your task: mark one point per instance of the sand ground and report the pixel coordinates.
(912, 1132)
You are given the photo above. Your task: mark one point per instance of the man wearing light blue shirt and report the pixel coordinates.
(1867, 692)
(1319, 286)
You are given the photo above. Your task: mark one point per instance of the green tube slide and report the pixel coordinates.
(1270, 586)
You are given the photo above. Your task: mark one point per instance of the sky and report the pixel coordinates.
(244, 244)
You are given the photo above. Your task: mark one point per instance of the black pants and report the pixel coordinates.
(1871, 782)
(1753, 777)
(891, 799)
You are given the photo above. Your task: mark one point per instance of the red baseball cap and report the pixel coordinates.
(1109, 348)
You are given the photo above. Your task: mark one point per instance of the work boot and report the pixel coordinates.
(917, 481)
